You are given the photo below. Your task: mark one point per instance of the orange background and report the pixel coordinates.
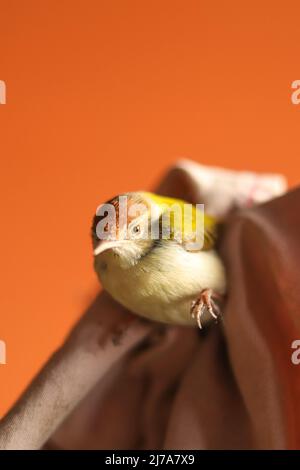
(101, 97)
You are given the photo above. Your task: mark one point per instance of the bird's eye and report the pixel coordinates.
(136, 229)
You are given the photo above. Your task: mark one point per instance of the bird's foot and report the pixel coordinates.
(205, 302)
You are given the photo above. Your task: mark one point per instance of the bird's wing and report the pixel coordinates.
(192, 228)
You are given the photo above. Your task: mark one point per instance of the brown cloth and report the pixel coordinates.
(231, 386)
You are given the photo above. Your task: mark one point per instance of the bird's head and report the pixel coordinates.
(122, 228)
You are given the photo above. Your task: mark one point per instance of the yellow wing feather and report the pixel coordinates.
(192, 217)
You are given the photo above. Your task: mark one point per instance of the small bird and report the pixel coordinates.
(156, 263)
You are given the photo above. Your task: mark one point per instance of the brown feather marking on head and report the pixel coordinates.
(97, 218)
(132, 198)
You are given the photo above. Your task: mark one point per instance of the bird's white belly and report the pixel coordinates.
(163, 286)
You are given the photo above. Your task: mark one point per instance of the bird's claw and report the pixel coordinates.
(205, 302)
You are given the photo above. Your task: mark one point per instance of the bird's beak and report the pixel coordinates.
(104, 245)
